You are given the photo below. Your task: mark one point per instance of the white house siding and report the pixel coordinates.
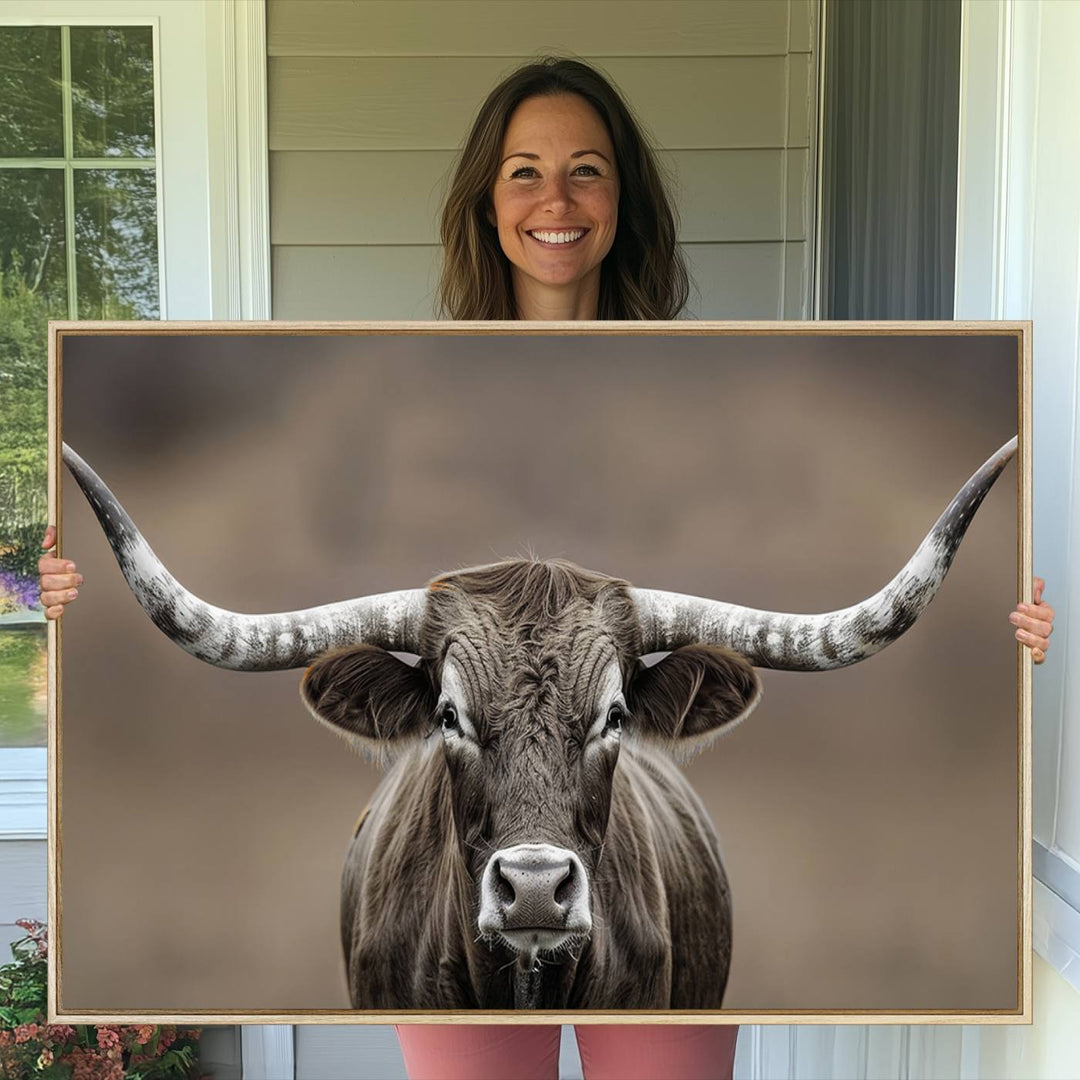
(369, 100)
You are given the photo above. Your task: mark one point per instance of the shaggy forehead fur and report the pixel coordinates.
(528, 630)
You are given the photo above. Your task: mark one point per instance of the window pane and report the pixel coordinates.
(33, 289)
(31, 109)
(22, 685)
(32, 248)
(112, 91)
(116, 243)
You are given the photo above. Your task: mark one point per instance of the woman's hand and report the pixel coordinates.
(1034, 623)
(58, 580)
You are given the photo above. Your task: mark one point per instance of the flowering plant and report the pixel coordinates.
(31, 1048)
(17, 591)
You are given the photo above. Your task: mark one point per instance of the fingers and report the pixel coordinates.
(49, 597)
(49, 567)
(59, 589)
(1035, 641)
(51, 581)
(49, 564)
(1034, 629)
(1034, 622)
(59, 583)
(1040, 627)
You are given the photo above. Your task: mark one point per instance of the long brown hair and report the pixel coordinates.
(643, 275)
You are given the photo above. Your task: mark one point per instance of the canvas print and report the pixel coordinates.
(546, 586)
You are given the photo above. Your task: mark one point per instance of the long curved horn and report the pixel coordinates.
(837, 638)
(228, 639)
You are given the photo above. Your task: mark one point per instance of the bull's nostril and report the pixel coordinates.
(504, 891)
(564, 891)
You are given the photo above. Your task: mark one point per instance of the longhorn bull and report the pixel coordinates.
(533, 844)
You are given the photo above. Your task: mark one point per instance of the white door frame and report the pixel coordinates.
(1018, 257)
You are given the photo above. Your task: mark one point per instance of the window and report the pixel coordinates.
(78, 240)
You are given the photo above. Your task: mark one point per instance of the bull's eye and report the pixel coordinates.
(615, 719)
(448, 718)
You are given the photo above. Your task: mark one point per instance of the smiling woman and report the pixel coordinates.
(556, 205)
(558, 208)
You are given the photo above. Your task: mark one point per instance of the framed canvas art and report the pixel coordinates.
(589, 672)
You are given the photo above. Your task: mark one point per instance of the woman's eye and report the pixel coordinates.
(448, 718)
(590, 170)
(524, 172)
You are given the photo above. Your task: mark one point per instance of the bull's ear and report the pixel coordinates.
(692, 696)
(370, 697)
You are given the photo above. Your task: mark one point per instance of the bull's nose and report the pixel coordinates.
(536, 887)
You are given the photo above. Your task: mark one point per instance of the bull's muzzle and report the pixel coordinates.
(534, 896)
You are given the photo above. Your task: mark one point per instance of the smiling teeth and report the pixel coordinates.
(558, 237)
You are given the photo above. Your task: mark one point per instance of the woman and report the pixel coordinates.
(557, 211)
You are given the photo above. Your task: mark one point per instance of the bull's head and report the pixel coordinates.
(530, 679)
(529, 674)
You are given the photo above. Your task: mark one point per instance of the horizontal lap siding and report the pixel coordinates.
(22, 888)
(339, 196)
(735, 281)
(514, 29)
(369, 100)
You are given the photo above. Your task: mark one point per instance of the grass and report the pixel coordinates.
(22, 686)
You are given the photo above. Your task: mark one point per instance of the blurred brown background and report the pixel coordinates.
(867, 816)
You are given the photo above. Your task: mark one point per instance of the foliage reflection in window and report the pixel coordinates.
(78, 240)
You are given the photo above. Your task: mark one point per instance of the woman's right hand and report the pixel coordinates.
(58, 580)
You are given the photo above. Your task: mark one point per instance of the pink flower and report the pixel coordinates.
(26, 1032)
(45, 1059)
(108, 1038)
(59, 1034)
(88, 1064)
(38, 933)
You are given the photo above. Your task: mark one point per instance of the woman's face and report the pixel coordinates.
(556, 193)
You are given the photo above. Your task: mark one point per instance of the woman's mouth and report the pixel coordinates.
(557, 238)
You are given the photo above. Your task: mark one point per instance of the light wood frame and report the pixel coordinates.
(1020, 330)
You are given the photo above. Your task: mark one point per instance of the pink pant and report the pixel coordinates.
(531, 1051)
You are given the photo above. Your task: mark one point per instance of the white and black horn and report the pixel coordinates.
(667, 620)
(227, 639)
(835, 639)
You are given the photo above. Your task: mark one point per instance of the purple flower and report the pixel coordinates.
(19, 591)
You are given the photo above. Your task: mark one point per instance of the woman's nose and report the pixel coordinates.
(557, 195)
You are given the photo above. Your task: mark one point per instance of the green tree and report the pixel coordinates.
(115, 230)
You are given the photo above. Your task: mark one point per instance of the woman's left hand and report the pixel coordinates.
(1034, 623)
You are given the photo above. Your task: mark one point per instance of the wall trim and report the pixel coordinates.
(1058, 873)
(982, 139)
(239, 179)
(1056, 933)
(818, 209)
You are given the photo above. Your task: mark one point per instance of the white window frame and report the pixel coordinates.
(1017, 257)
(213, 208)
